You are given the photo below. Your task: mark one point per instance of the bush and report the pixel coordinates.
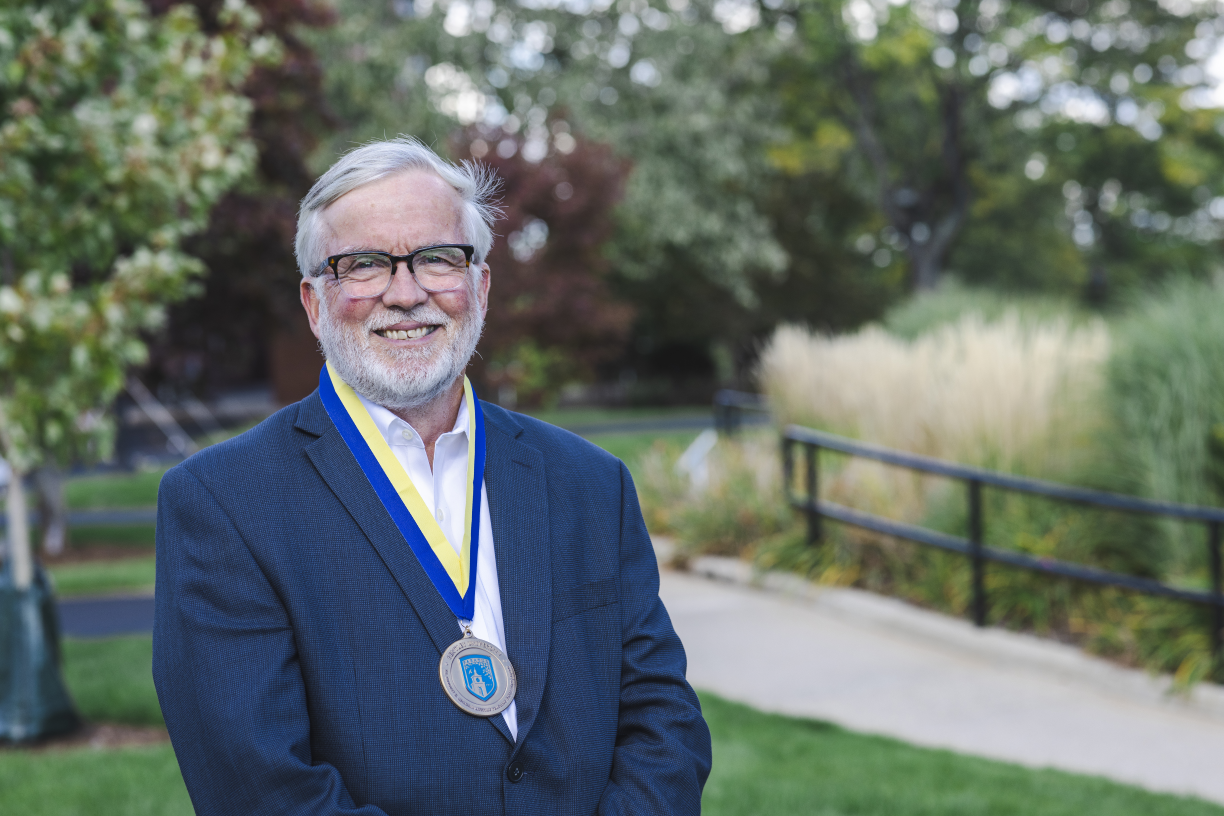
(927, 311)
(1165, 393)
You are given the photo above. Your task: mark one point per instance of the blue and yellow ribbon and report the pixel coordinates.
(453, 573)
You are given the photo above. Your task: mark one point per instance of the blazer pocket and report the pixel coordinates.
(584, 597)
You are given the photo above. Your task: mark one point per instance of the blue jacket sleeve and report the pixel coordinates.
(226, 669)
(662, 756)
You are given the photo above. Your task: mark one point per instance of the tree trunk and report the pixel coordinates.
(34, 702)
(927, 267)
(52, 508)
(22, 560)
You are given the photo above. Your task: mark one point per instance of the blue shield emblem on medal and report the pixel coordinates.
(478, 676)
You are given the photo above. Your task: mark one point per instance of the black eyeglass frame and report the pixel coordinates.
(333, 261)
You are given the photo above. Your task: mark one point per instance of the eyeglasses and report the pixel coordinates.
(368, 274)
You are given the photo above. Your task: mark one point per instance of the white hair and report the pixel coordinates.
(476, 185)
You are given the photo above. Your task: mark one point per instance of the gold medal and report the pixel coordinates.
(477, 676)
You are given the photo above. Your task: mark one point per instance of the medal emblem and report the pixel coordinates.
(477, 676)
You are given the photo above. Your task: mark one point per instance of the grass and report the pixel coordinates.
(1004, 394)
(1166, 401)
(126, 782)
(575, 417)
(111, 679)
(630, 448)
(103, 577)
(767, 764)
(111, 490)
(136, 536)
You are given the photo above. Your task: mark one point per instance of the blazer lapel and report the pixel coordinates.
(339, 469)
(518, 508)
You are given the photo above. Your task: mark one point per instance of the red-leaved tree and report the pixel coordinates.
(552, 318)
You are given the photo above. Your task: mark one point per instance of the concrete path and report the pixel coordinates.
(105, 617)
(874, 665)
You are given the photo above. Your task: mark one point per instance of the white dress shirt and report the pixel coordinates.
(444, 491)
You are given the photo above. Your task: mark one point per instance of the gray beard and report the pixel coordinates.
(414, 377)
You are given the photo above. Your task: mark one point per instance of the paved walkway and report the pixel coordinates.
(874, 665)
(105, 617)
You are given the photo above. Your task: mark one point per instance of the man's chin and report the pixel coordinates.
(396, 383)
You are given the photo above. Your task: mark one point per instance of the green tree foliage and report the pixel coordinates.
(666, 86)
(810, 160)
(249, 294)
(1024, 143)
(119, 132)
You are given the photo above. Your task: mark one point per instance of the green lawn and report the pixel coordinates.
(767, 764)
(111, 679)
(104, 577)
(576, 417)
(629, 447)
(108, 490)
(84, 782)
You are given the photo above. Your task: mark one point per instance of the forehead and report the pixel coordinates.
(397, 213)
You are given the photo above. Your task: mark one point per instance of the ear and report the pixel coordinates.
(482, 289)
(310, 302)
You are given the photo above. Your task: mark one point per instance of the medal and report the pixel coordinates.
(477, 676)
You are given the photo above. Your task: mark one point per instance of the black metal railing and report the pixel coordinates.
(973, 547)
(730, 408)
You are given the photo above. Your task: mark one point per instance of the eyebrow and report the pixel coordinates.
(351, 249)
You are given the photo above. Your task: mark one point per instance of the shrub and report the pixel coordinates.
(1165, 393)
(927, 311)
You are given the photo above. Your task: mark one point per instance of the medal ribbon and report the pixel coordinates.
(453, 573)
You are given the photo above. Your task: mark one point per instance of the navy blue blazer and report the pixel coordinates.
(297, 638)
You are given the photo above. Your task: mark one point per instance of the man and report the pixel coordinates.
(391, 598)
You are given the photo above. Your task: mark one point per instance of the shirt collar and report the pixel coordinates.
(392, 427)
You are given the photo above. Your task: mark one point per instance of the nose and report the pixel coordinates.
(404, 290)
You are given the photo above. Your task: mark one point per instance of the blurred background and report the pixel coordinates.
(988, 231)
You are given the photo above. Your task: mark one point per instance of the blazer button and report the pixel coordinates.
(514, 772)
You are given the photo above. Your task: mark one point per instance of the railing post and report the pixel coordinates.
(813, 493)
(1217, 592)
(788, 468)
(978, 562)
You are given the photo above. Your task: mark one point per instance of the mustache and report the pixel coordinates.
(421, 313)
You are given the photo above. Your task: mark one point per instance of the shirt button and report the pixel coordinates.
(515, 772)
(441, 514)
(406, 434)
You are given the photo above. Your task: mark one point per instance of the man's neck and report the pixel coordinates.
(435, 418)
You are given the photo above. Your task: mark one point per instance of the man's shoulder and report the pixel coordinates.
(557, 445)
(252, 454)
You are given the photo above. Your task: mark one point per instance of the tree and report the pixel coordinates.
(667, 87)
(118, 133)
(556, 320)
(249, 299)
(960, 123)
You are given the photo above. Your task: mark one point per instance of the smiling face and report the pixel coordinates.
(408, 347)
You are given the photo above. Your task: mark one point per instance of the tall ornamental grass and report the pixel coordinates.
(1165, 397)
(1013, 394)
(1001, 394)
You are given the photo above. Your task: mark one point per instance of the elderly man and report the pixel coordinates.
(391, 598)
